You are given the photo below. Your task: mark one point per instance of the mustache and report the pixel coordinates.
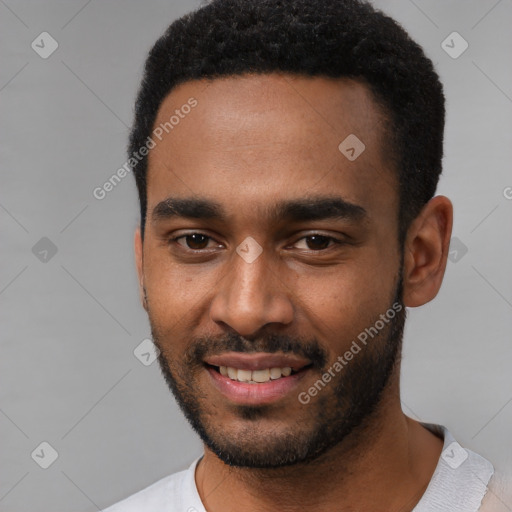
(203, 347)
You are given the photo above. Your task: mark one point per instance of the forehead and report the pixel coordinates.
(256, 138)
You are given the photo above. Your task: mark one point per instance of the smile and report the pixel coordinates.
(255, 376)
(256, 379)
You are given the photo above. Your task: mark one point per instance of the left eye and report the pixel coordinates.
(317, 242)
(194, 241)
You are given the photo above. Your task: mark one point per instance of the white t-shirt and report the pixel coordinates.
(458, 484)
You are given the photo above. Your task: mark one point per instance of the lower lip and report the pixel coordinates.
(251, 394)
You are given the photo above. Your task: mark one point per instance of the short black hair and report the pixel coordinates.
(330, 38)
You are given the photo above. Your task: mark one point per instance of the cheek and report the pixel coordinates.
(341, 303)
(177, 293)
(337, 304)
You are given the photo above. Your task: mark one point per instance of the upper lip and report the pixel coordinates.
(257, 361)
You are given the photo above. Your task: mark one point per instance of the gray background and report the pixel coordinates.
(70, 324)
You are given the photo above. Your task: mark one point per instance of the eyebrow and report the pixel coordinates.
(304, 209)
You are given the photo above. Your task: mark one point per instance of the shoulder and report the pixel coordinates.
(176, 492)
(460, 479)
(499, 492)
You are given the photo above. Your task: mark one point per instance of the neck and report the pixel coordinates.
(385, 465)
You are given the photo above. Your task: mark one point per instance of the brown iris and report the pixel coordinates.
(317, 242)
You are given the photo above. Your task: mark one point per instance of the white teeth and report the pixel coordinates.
(275, 373)
(244, 375)
(261, 375)
(255, 376)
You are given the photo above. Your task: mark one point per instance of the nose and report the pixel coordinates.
(251, 296)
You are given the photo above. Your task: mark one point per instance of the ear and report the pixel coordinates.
(426, 251)
(139, 264)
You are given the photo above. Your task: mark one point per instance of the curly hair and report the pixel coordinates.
(330, 38)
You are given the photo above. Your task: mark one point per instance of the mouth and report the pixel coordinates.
(256, 376)
(256, 379)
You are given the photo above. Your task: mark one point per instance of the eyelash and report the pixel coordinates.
(335, 241)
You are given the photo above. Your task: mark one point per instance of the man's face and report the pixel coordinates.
(258, 157)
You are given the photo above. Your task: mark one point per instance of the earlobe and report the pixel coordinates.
(138, 246)
(426, 251)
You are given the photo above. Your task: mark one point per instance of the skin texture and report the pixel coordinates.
(251, 142)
